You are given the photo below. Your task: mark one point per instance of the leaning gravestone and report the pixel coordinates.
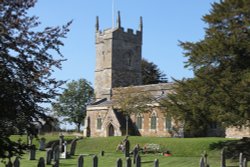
(48, 156)
(135, 153)
(32, 152)
(73, 147)
(42, 144)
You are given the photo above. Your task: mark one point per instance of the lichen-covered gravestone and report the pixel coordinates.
(56, 154)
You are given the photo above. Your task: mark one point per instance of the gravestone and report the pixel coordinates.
(80, 161)
(156, 163)
(16, 162)
(241, 160)
(127, 148)
(32, 155)
(64, 153)
(53, 146)
(128, 162)
(245, 162)
(61, 141)
(202, 162)
(119, 163)
(138, 161)
(30, 139)
(42, 144)
(135, 152)
(73, 147)
(56, 154)
(223, 158)
(102, 153)
(41, 162)
(95, 161)
(48, 156)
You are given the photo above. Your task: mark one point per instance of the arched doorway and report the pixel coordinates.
(111, 130)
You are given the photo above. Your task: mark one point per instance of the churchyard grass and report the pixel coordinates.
(185, 152)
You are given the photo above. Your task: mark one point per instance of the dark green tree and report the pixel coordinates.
(26, 64)
(72, 104)
(151, 74)
(220, 88)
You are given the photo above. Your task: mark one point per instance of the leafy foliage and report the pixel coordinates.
(151, 74)
(26, 65)
(73, 102)
(220, 89)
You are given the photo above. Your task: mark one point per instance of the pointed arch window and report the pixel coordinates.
(99, 122)
(153, 120)
(139, 121)
(168, 122)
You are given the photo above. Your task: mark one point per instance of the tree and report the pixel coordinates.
(151, 74)
(26, 64)
(221, 65)
(72, 104)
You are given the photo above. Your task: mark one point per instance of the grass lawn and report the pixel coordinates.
(185, 151)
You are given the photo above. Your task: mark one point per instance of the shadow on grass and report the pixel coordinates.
(145, 162)
(233, 148)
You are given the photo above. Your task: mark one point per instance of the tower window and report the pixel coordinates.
(139, 121)
(153, 121)
(99, 122)
(168, 122)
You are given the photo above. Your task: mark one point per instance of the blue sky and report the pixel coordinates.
(165, 23)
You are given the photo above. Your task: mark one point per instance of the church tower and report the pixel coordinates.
(118, 58)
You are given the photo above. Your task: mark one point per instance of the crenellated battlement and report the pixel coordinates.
(119, 32)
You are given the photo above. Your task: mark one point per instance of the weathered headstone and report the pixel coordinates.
(202, 162)
(102, 153)
(16, 162)
(245, 162)
(156, 163)
(32, 155)
(127, 148)
(30, 140)
(95, 161)
(135, 153)
(64, 153)
(53, 146)
(241, 160)
(223, 158)
(56, 154)
(128, 162)
(41, 162)
(73, 147)
(80, 161)
(61, 141)
(48, 156)
(42, 144)
(119, 163)
(138, 161)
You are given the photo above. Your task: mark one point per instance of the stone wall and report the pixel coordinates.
(240, 132)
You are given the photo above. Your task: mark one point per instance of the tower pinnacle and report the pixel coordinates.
(97, 24)
(141, 24)
(119, 20)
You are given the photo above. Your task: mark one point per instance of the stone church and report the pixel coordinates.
(118, 67)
